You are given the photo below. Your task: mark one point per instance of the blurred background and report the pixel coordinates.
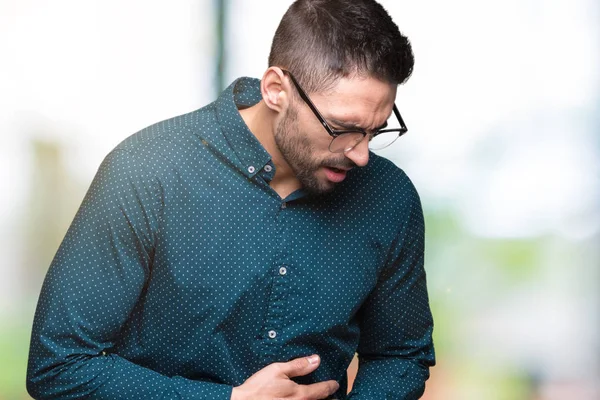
(503, 111)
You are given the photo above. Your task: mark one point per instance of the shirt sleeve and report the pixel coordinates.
(96, 278)
(395, 349)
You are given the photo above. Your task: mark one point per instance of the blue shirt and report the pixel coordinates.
(184, 273)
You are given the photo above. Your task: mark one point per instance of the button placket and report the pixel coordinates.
(274, 325)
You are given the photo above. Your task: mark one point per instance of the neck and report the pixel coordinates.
(262, 121)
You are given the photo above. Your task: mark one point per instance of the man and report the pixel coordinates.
(248, 249)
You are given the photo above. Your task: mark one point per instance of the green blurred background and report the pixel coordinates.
(504, 146)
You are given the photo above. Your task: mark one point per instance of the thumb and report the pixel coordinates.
(300, 366)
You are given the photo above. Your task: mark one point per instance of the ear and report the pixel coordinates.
(275, 89)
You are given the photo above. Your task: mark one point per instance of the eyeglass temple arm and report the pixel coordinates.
(402, 124)
(304, 97)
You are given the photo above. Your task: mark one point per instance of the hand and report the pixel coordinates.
(273, 382)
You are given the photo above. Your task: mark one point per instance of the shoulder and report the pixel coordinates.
(152, 150)
(384, 184)
(171, 134)
(381, 200)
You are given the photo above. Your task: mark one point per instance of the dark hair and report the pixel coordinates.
(321, 41)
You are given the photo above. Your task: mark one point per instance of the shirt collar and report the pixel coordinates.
(250, 156)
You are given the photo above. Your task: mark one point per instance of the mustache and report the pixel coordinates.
(339, 164)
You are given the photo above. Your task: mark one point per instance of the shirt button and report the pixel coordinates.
(268, 168)
(251, 169)
(282, 271)
(283, 205)
(272, 334)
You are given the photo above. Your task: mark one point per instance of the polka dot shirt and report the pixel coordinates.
(184, 273)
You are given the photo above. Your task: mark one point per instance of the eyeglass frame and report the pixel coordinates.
(334, 133)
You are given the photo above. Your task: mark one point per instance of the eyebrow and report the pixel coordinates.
(349, 125)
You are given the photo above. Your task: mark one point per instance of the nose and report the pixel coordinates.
(359, 154)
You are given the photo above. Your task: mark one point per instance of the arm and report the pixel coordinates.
(395, 349)
(95, 279)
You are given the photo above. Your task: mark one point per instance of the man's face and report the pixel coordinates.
(304, 156)
(304, 142)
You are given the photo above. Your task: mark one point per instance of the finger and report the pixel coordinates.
(320, 390)
(300, 366)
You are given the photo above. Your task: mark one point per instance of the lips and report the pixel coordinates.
(335, 175)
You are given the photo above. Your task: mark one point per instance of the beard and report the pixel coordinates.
(298, 151)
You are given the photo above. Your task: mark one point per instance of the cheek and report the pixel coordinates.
(312, 130)
(319, 140)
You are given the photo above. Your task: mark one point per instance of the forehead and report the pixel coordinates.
(364, 101)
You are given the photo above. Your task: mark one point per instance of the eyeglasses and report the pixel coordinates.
(345, 140)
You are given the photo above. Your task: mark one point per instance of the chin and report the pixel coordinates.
(318, 185)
